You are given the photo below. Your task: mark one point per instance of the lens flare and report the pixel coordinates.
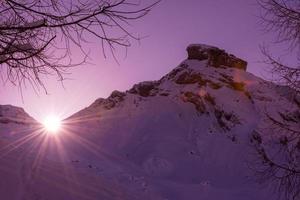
(52, 124)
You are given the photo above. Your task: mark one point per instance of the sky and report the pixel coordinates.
(167, 30)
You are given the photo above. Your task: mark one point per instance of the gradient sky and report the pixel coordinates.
(172, 25)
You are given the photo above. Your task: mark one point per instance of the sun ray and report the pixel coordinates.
(52, 124)
(18, 143)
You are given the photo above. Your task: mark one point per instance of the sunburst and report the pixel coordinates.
(52, 124)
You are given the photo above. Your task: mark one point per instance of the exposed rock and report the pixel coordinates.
(210, 99)
(216, 57)
(175, 71)
(117, 95)
(145, 89)
(190, 78)
(214, 85)
(226, 120)
(196, 100)
(98, 102)
(240, 86)
(165, 94)
(113, 100)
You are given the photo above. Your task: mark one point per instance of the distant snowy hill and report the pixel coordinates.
(14, 120)
(187, 136)
(12, 114)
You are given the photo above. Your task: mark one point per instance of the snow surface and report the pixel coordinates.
(183, 137)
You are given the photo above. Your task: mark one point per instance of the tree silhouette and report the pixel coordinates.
(279, 157)
(283, 18)
(37, 36)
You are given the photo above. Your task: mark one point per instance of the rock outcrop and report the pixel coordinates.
(216, 57)
(145, 89)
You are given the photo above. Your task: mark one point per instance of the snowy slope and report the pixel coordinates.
(185, 136)
(14, 120)
(12, 114)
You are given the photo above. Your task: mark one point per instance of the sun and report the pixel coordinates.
(52, 124)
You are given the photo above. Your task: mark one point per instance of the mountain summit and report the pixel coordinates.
(188, 135)
(216, 57)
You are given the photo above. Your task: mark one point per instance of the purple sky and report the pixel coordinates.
(229, 24)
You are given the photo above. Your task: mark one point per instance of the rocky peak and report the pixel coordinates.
(216, 57)
(188, 73)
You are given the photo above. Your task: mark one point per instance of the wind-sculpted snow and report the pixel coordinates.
(187, 136)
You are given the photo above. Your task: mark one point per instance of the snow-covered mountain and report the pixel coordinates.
(12, 114)
(187, 136)
(13, 120)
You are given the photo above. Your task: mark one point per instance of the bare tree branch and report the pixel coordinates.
(278, 158)
(283, 18)
(285, 75)
(30, 32)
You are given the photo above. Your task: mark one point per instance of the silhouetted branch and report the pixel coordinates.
(285, 74)
(277, 151)
(36, 36)
(278, 147)
(282, 17)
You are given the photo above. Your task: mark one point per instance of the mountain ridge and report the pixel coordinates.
(188, 135)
